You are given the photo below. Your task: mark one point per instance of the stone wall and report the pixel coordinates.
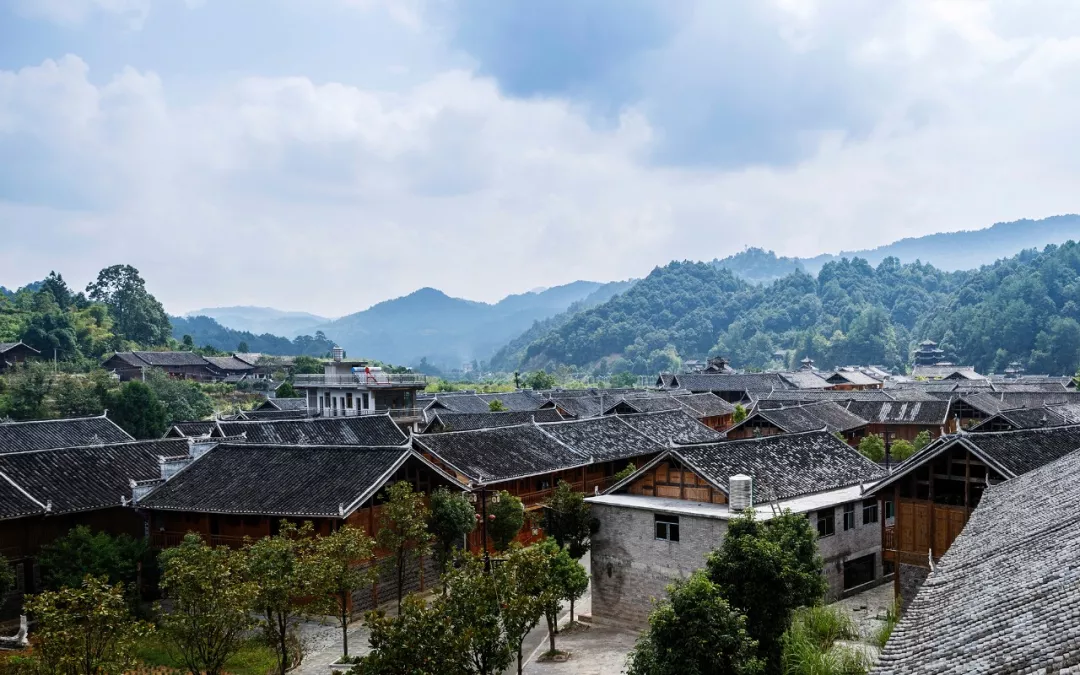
(860, 541)
(630, 566)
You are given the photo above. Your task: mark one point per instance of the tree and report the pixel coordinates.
(624, 473)
(77, 396)
(58, 290)
(137, 315)
(505, 520)
(28, 389)
(66, 561)
(452, 519)
(540, 380)
(307, 365)
(211, 603)
(520, 578)
(767, 570)
(338, 567)
(495, 405)
(277, 564)
(922, 439)
(740, 413)
(473, 603)
(286, 390)
(901, 450)
(623, 380)
(7, 577)
(564, 579)
(872, 447)
(243, 347)
(188, 343)
(85, 630)
(183, 400)
(136, 409)
(403, 530)
(695, 630)
(421, 639)
(567, 520)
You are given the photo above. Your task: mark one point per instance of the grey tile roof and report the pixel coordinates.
(515, 400)
(503, 453)
(637, 404)
(806, 379)
(448, 421)
(808, 417)
(84, 478)
(271, 415)
(968, 372)
(298, 403)
(843, 395)
(464, 403)
(853, 377)
(1021, 399)
(170, 358)
(1005, 597)
(705, 405)
(1031, 387)
(228, 363)
(987, 403)
(901, 412)
(44, 434)
(750, 382)
(190, 429)
(358, 430)
(1034, 418)
(674, 426)
(602, 439)
(585, 406)
(283, 480)
(783, 466)
(8, 346)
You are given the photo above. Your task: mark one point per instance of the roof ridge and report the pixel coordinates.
(97, 445)
(23, 491)
(60, 419)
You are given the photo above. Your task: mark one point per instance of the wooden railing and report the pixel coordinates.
(889, 539)
(171, 539)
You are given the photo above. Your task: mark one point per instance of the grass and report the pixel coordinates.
(825, 624)
(809, 645)
(892, 617)
(253, 658)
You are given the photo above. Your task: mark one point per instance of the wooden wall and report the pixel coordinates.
(669, 479)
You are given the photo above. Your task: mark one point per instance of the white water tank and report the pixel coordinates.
(740, 492)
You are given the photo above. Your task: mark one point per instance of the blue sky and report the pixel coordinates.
(223, 146)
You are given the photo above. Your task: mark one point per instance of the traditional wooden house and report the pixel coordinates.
(946, 371)
(661, 522)
(1004, 598)
(850, 379)
(1062, 414)
(234, 491)
(191, 429)
(709, 409)
(229, 368)
(15, 353)
(283, 405)
(447, 421)
(177, 365)
(904, 419)
(46, 492)
(731, 388)
(767, 420)
(930, 496)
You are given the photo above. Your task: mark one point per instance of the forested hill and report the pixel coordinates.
(1025, 308)
(964, 250)
(207, 332)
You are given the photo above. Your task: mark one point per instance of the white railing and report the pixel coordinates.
(350, 412)
(374, 379)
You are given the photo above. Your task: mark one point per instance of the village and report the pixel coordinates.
(913, 489)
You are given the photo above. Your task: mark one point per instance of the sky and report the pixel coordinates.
(323, 155)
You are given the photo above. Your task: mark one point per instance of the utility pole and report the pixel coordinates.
(888, 447)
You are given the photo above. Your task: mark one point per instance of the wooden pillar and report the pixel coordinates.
(682, 471)
(896, 539)
(930, 495)
(967, 484)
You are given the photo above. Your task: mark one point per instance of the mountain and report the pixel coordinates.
(260, 320)
(449, 331)
(205, 331)
(949, 251)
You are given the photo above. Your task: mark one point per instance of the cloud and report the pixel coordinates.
(308, 192)
(75, 12)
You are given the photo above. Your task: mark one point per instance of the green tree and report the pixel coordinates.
(183, 400)
(901, 450)
(403, 529)
(243, 347)
(872, 447)
(421, 639)
(307, 365)
(136, 409)
(27, 392)
(495, 405)
(210, 603)
(187, 343)
(567, 520)
(76, 396)
(695, 630)
(286, 390)
(278, 566)
(66, 561)
(740, 413)
(85, 630)
(505, 520)
(564, 579)
(7, 577)
(521, 578)
(623, 380)
(766, 571)
(540, 380)
(452, 519)
(624, 473)
(137, 315)
(473, 600)
(922, 439)
(339, 566)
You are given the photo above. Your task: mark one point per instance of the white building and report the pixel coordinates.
(357, 388)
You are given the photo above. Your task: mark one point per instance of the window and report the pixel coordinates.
(20, 577)
(889, 515)
(363, 401)
(826, 523)
(849, 517)
(348, 400)
(667, 527)
(869, 511)
(543, 484)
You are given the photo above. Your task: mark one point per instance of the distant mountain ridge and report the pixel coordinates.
(946, 251)
(262, 320)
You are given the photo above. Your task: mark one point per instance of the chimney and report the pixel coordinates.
(339, 353)
(740, 492)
